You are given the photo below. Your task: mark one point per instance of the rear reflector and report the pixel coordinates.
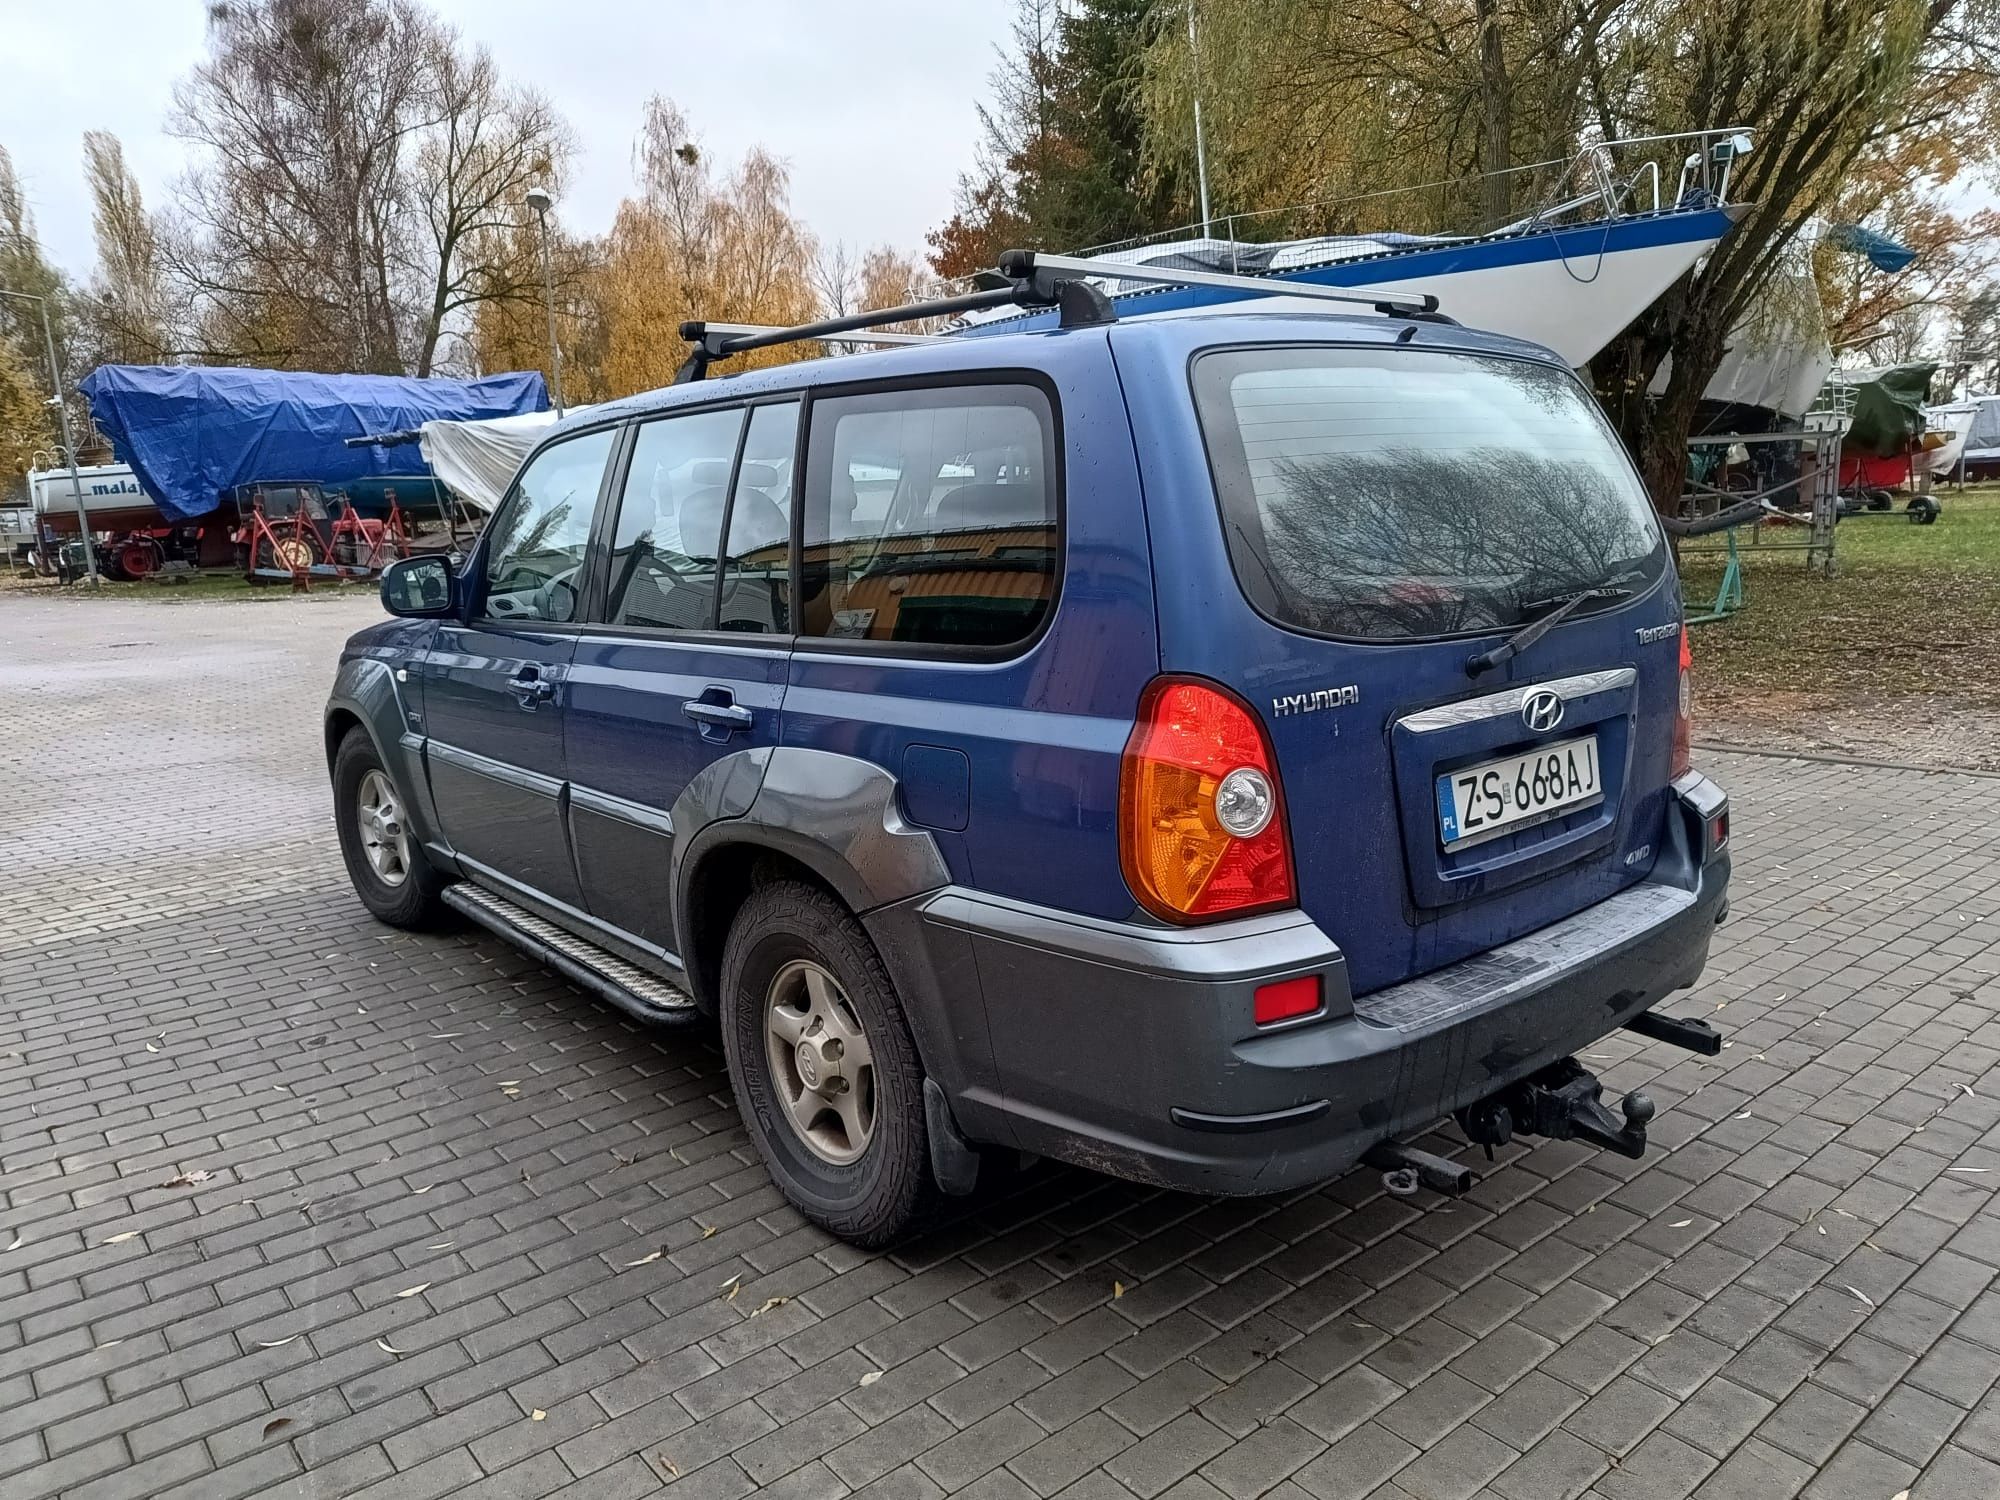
(1287, 999)
(1683, 751)
(1718, 830)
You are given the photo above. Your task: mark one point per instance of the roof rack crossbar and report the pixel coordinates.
(713, 341)
(1395, 303)
(853, 336)
(1028, 279)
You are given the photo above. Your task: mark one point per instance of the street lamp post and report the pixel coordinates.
(69, 448)
(539, 200)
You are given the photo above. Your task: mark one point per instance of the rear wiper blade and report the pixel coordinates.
(1565, 606)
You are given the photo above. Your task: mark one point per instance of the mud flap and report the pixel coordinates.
(954, 1162)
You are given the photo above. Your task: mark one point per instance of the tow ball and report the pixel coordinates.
(1565, 1101)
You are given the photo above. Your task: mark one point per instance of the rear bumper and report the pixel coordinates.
(1132, 1049)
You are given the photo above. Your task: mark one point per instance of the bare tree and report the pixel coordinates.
(357, 169)
(834, 273)
(471, 170)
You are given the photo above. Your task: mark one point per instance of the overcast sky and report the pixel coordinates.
(871, 102)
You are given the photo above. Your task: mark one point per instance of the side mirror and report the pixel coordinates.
(418, 586)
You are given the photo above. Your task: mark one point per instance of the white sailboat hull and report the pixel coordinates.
(1572, 290)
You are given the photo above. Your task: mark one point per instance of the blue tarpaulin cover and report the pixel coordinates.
(1883, 253)
(191, 432)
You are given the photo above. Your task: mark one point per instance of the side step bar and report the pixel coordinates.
(627, 986)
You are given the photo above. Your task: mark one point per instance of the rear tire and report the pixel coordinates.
(870, 1190)
(391, 874)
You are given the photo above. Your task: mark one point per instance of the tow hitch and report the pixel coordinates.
(1565, 1101)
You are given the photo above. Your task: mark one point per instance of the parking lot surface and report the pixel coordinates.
(292, 1203)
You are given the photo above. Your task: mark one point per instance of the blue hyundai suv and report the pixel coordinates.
(1207, 749)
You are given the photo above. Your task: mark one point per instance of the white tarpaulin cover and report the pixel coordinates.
(478, 460)
(1777, 358)
(1956, 419)
(1975, 427)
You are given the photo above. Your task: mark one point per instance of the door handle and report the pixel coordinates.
(717, 715)
(530, 687)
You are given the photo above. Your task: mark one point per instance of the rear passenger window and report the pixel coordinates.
(664, 551)
(930, 517)
(756, 562)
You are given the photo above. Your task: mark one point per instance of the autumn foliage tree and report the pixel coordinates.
(691, 243)
(27, 424)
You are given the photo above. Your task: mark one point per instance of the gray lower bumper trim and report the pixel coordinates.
(1495, 977)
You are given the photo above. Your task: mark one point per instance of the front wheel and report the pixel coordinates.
(825, 1070)
(391, 874)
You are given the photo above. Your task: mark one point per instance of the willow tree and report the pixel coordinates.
(1431, 113)
(1826, 89)
(1308, 101)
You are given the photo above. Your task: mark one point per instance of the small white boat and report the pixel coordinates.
(112, 497)
(1570, 277)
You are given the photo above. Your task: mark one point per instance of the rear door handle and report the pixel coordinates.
(720, 715)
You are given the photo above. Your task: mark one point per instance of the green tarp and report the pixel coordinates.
(1888, 407)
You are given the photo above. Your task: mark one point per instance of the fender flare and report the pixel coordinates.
(837, 815)
(366, 691)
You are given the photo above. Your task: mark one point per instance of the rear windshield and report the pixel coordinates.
(1392, 493)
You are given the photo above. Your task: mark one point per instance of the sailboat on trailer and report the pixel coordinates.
(1571, 275)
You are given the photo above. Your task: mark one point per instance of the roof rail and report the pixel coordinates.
(1027, 279)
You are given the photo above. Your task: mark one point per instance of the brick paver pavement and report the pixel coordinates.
(466, 1232)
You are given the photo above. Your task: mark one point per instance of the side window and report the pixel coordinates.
(534, 559)
(663, 552)
(930, 516)
(756, 563)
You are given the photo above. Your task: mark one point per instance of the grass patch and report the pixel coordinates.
(1896, 656)
(209, 587)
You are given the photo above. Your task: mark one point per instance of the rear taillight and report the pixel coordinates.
(1201, 823)
(1684, 712)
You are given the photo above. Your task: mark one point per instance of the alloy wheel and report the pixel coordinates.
(385, 839)
(822, 1067)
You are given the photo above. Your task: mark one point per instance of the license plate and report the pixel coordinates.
(1480, 802)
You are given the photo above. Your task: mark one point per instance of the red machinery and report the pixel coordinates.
(289, 537)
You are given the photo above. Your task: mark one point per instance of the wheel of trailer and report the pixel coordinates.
(1879, 499)
(391, 874)
(825, 1070)
(138, 557)
(1922, 510)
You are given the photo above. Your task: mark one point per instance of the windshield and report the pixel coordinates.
(1393, 493)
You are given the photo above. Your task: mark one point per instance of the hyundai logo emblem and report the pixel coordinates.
(1542, 711)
